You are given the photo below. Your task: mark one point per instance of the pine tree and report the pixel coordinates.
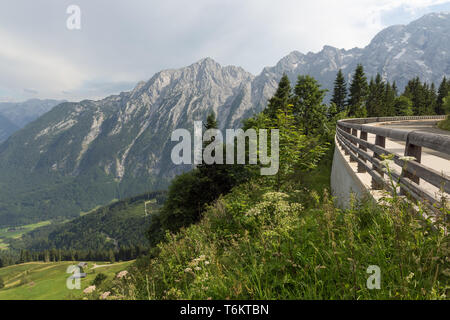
(443, 91)
(403, 106)
(339, 92)
(308, 109)
(281, 98)
(358, 93)
(389, 100)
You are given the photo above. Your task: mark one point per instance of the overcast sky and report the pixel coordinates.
(123, 42)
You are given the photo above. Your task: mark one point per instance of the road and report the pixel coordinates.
(430, 158)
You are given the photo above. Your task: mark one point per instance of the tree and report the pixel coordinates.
(99, 278)
(308, 109)
(281, 98)
(375, 103)
(443, 91)
(358, 93)
(403, 106)
(339, 92)
(446, 105)
(389, 100)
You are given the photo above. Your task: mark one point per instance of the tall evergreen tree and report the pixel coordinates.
(358, 93)
(389, 100)
(375, 97)
(308, 105)
(339, 92)
(281, 98)
(443, 91)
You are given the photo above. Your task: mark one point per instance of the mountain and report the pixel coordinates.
(80, 155)
(6, 128)
(121, 224)
(398, 53)
(19, 114)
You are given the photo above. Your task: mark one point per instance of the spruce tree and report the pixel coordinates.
(308, 109)
(339, 92)
(358, 93)
(389, 100)
(281, 98)
(443, 91)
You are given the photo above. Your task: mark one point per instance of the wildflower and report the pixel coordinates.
(89, 290)
(122, 274)
(386, 162)
(206, 262)
(198, 268)
(408, 158)
(188, 270)
(105, 295)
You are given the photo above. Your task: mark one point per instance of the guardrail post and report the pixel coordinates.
(354, 133)
(412, 150)
(379, 141)
(362, 136)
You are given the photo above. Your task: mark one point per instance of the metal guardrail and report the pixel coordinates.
(357, 146)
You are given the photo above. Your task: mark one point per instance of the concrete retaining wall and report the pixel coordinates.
(344, 180)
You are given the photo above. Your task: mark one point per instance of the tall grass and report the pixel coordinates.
(258, 244)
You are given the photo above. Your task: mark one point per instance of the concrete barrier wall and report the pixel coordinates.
(344, 180)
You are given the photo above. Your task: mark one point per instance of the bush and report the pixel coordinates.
(99, 278)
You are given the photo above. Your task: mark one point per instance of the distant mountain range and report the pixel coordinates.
(79, 155)
(16, 115)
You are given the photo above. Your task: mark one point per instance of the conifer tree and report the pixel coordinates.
(339, 92)
(308, 109)
(281, 98)
(443, 91)
(358, 93)
(389, 100)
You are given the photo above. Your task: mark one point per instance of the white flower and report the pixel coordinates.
(105, 295)
(386, 162)
(206, 262)
(122, 274)
(198, 268)
(407, 158)
(188, 270)
(89, 289)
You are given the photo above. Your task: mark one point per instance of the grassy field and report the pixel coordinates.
(17, 232)
(47, 281)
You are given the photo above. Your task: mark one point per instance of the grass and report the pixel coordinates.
(255, 243)
(17, 232)
(445, 124)
(47, 281)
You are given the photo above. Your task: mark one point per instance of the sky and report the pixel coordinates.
(120, 43)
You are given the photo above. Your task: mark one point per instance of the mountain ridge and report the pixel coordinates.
(83, 154)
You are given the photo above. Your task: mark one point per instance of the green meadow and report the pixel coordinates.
(47, 281)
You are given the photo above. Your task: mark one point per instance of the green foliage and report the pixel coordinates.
(358, 94)
(445, 124)
(2, 283)
(403, 106)
(99, 278)
(443, 92)
(281, 98)
(340, 92)
(309, 110)
(423, 97)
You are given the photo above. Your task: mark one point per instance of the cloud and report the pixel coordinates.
(121, 43)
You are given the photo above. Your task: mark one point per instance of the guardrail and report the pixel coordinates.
(351, 135)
